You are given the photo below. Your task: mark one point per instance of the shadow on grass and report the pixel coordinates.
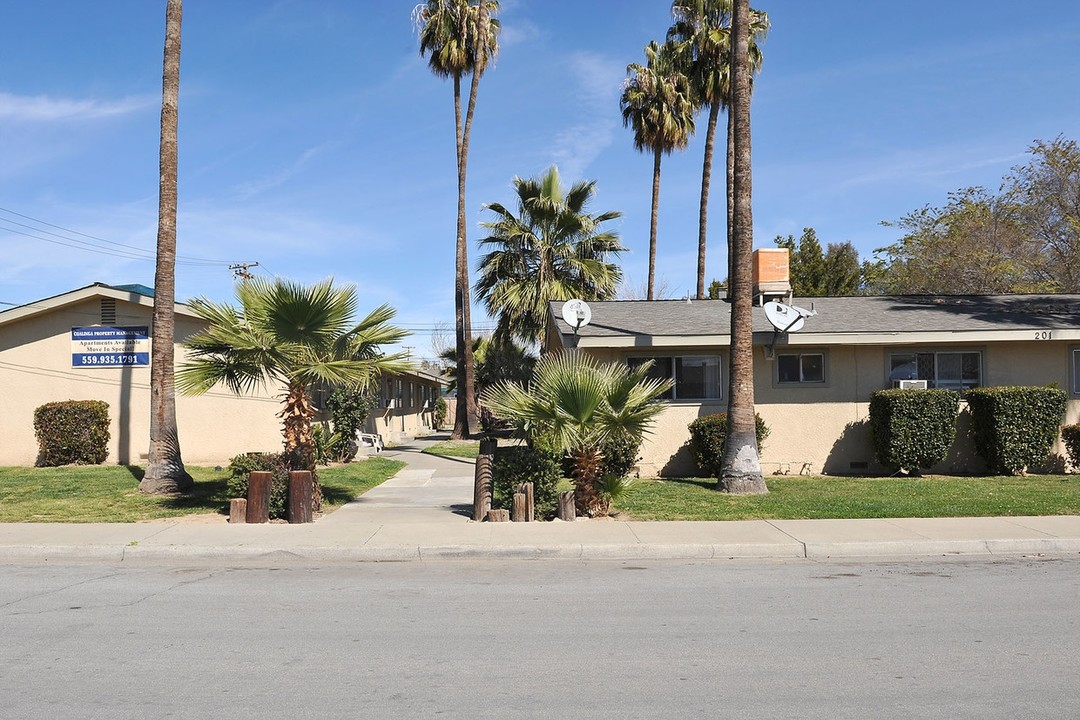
(707, 484)
(337, 494)
(206, 495)
(136, 472)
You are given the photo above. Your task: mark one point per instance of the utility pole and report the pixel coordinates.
(240, 270)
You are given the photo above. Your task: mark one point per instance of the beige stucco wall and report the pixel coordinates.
(823, 428)
(35, 368)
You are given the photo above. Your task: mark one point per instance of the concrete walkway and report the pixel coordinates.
(422, 513)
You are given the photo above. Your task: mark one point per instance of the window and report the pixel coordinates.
(696, 377)
(946, 370)
(796, 368)
(1076, 371)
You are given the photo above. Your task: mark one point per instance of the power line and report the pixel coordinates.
(122, 250)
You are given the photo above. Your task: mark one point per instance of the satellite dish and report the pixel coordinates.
(576, 313)
(786, 318)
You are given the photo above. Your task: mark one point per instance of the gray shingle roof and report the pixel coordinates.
(847, 315)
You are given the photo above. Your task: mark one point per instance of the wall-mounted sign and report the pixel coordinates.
(110, 346)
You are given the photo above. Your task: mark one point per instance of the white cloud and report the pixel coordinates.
(596, 97)
(252, 188)
(41, 108)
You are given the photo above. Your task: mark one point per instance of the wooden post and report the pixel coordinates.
(237, 511)
(482, 479)
(517, 514)
(566, 506)
(258, 499)
(498, 516)
(300, 492)
(530, 502)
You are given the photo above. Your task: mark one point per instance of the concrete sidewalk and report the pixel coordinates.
(422, 513)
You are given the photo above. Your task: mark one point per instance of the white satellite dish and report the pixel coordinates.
(786, 318)
(576, 313)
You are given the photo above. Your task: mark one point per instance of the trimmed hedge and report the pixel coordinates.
(1070, 434)
(620, 455)
(1013, 428)
(708, 435)
(515, 464)
(275, 463)
(72, 432)
(913, 429)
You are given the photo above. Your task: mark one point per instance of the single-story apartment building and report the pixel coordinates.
(93, 343)
(812, 387)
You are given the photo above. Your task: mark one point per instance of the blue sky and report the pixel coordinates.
(315, 141)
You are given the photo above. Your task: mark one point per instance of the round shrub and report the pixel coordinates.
(1070, 435)
(913, 429)
(72, 432)
(349, 410)
(1015, 427)
(620, 454)
(708, 434)
(275, 463)
(516, 464)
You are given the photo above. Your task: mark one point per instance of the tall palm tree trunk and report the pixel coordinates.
(652, 222)
(165, 471)
(467, 411)
(462, 326)
(729, 180)
(740, 471)
(703, 211)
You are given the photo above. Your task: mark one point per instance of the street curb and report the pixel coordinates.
(575, 551)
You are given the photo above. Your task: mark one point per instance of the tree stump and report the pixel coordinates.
(566, 506)
(300, 495)
(530, 502)
(517, 513)
(498, 516)
(237, 511)
(482, 479)
(258, 496)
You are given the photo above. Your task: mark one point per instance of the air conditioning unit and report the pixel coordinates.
(909, 384)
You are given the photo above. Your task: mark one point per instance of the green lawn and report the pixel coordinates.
(109, 493)
(455, 448)
(845, 497)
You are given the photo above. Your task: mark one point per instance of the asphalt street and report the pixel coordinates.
(957, 638)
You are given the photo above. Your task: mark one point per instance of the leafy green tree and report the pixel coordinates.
(461, 38)
(1025, 238)
(165, 472)
(294, 336)
(552, 249)
(741, 466)
(976, 244)
(1046, 192)
(573, 405)
(658, 103)
(703, 28)
(835, 272)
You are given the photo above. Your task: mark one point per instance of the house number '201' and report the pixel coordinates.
(1043, 335)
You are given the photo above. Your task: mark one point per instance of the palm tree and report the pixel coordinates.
(657, 102)
(165, 472)
(553, 249)
(296, 337)
(740, 471)
(460, 36)
(703, 27)
(496, 361)
(573, 405)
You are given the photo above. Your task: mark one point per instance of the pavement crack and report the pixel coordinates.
(805, 552)
(54, 591)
